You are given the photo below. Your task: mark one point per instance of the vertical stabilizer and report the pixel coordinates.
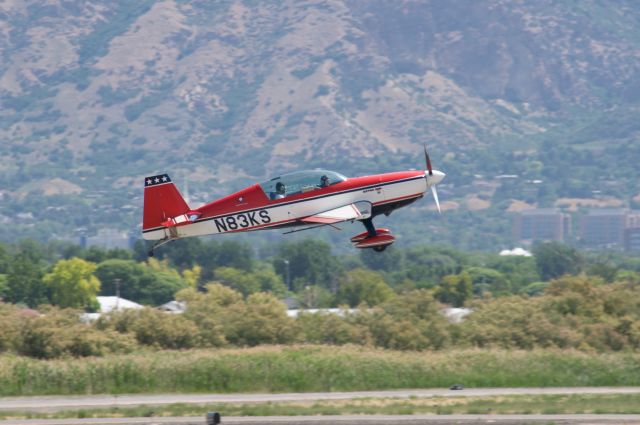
(162, 201)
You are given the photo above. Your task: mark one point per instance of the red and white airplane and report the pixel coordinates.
(304, 198)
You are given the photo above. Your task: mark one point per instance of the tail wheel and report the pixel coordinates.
(380, 248)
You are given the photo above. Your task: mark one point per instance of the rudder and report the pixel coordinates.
(162, 201)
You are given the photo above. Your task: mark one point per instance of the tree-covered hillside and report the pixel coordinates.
(97, 94)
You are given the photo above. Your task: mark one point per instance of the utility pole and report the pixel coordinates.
(287, 276)
(116, 282)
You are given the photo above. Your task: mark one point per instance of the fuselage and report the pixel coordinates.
(253, 208)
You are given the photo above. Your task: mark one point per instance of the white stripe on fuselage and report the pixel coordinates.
(279, 214)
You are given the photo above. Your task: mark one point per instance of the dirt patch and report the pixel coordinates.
(572, 204)
(517, 205)
(51, 187)
(474, 203)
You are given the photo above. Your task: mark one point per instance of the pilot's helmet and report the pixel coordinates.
(280, 188)
(324, 180)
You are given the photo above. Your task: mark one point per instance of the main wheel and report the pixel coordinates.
(380, 248)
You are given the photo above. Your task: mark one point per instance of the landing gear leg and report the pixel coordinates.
(368, 224)
(158, 244)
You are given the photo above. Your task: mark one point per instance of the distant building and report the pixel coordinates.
(175, 307)
(515, 252)
(633, 219)
(542, 224)
(632, 239)
(109, 304)
(604, 228)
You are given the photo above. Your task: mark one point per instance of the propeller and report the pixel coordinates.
(434, 191)
(427, 160)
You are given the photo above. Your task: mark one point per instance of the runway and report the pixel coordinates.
(56, 403)
(353, 420)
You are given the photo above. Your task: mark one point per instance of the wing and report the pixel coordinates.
(357, 211)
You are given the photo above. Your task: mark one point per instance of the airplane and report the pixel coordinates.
(309, 199)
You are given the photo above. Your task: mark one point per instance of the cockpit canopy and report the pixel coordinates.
(300, 182)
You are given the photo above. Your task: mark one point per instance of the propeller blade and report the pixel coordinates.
(428, 161)
(435, 197)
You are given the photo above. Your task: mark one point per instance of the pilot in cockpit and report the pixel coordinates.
(324, 181)
(280, 191)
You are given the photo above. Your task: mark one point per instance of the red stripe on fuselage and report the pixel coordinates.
(254, 197)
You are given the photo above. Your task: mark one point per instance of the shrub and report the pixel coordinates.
(9, 326)
(59, 333)
(153, 327)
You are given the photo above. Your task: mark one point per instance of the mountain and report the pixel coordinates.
(97, 94)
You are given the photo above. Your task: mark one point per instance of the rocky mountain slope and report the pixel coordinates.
(96, 94)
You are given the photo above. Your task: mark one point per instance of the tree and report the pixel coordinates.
(455, 289)
(4, 260)
(24, 281)
(154, 327)
(513, 322)
(363, 286)
(309, 261)
(96, 254)
(160, 283)
(264, 279)
(262, 319)
(314, 296)
(426, 265)
(9, 326)
(239, 280)
(192, 276)
(236, 254)
(554, 260)
(128, 274)
(73, 284)
(328, 328)
(488, 280)
(391, 260)
(269, 281)
(604, 270)
(153, 283)
(410, 321)
(59, 332)
(520, 271)
(208, 254)
(208, 310)
(577, 295)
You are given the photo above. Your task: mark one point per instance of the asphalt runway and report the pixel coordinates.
(353, 420)
(56, 403)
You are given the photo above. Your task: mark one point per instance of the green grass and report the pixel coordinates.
(516, 404)
(312, 368)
